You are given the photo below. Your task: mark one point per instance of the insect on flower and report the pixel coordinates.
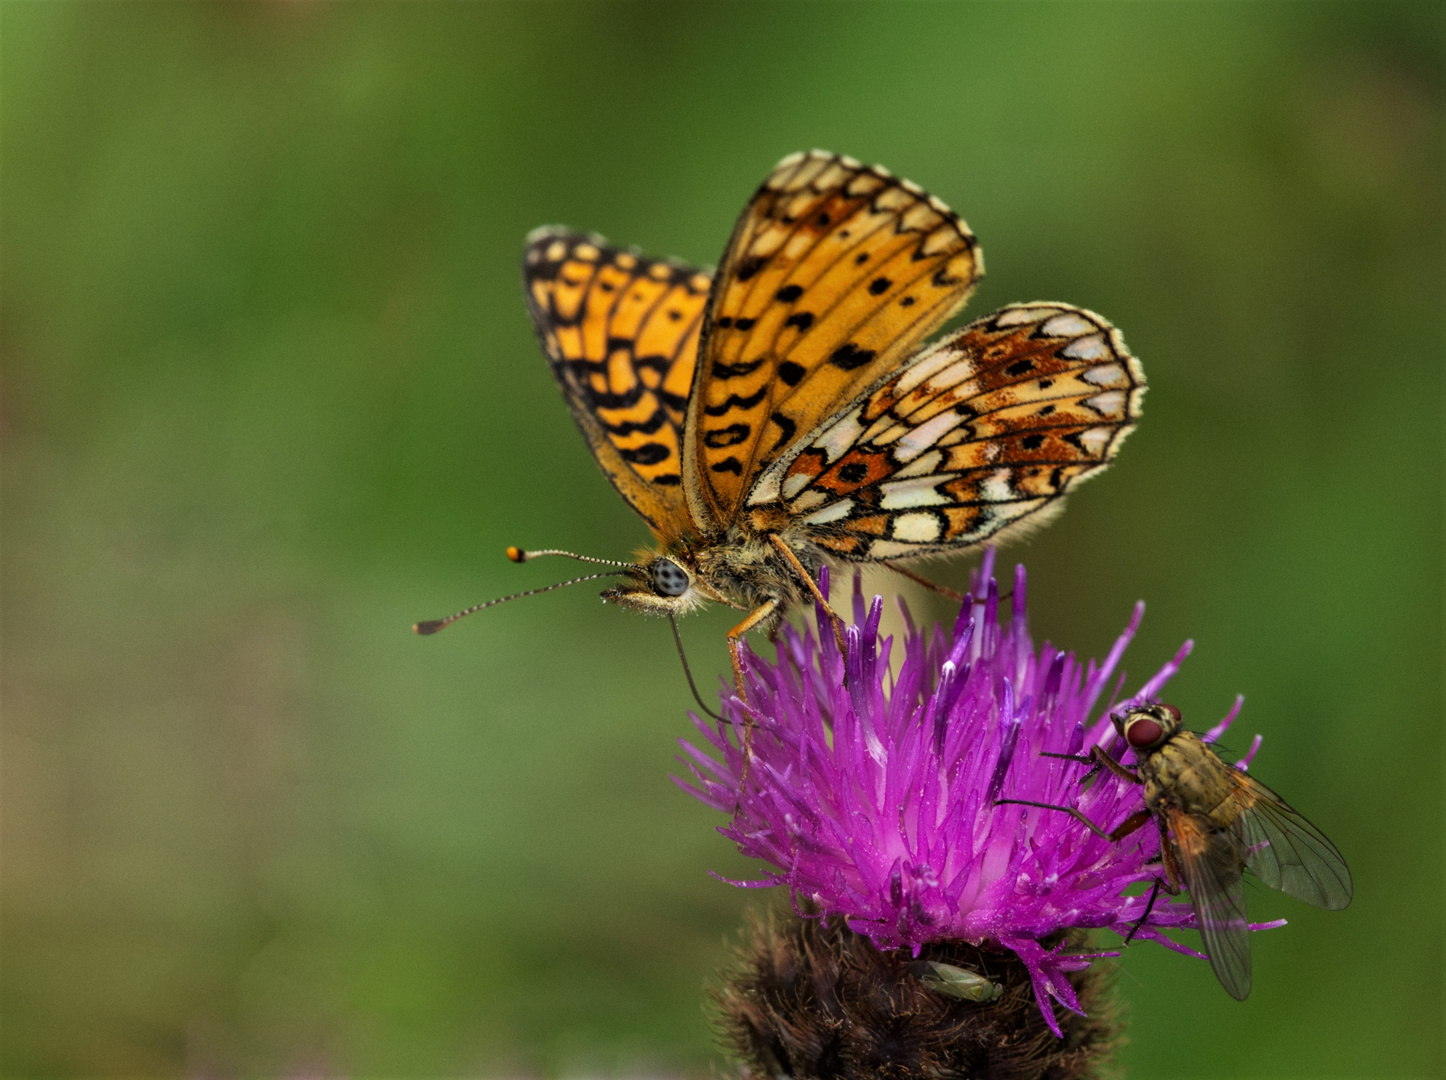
(786, 412)
(1215, 822)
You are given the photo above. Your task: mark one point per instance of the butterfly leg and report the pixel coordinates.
(735, 641)
(932, 586)
(735, 654)
(804, 576)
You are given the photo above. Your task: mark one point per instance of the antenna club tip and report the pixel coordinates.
(516, 554)
(429, 626)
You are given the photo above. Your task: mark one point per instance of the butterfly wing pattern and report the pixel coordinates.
(835, 272)
(621, 335)
(991, 425)
(786, 410)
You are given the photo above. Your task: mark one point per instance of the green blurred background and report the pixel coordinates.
(272, 395)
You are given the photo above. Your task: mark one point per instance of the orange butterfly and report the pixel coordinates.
(815, 427)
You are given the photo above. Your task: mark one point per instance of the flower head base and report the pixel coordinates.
(876, 798)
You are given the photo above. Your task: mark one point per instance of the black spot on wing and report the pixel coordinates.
(731, 435)
(747, 267)
(879, 285)
(629, 427)
(791, 373)
(647, 454)
(722, 370)
(728, 464)
(736, 402)
(850, 356)
(789, 293)
(801, 319)
(1019, 367)
(786, 430)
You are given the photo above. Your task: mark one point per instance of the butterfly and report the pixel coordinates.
(784, 412)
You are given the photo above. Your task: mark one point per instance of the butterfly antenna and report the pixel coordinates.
(678, 640)
(518, 555)
(431, 626)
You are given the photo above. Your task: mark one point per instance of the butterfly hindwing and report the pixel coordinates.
(986, 430)
(621, 334)
(835, 273)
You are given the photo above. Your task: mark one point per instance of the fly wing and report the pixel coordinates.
(1287, 852)
(1211, 861)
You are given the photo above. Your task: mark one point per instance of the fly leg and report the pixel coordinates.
(1150, 906)
(1099, 759)
(1122, 830)
(1171, 884)
(1174, 879)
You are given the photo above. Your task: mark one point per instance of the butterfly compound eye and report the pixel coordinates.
(669, 578)
(1141, 731)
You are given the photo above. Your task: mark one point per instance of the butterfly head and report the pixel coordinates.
(661, 584)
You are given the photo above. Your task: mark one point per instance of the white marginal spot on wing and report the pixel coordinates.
(890, 549)
(833, 176)
(921, 466)
(1092, 347)
(919, 217)
(933, 360)
(797, 245)
(842, 434)
(917, 491)
(1020, 316)
(940, 239)
(586, 252)
(918, 528)
(952, 377)
(831, 512)
(768, 241)
(926, 435)
(807, 501)
(997, 487)
(1106, 375)
(792, 159)
(892, 199)
(766, 489)
(1096, 439)
(911, 187)
(796, 483)
(1110, 403)
(1067, 325)
(556, 250)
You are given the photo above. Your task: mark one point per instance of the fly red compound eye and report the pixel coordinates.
(1171, 711)
(1141, 732)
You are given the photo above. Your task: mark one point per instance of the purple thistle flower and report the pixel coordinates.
(874, 797)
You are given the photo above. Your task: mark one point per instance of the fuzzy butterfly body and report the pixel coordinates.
(785, 410)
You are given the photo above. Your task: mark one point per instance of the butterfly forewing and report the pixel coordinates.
(1287, 852)
(986, 430)
(835, 273)
(1211, 862)
(621, 333)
